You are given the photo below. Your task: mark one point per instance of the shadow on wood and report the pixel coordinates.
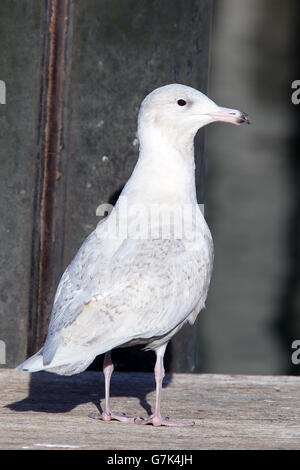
(52, 393)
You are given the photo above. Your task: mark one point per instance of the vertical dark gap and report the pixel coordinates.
(35, 246)
(49, 147)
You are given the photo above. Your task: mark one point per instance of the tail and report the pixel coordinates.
(34, 363)
(42, 359)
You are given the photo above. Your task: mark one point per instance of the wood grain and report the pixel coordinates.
(46, 411)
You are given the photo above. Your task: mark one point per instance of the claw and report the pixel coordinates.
(112, 416)
(159, 421)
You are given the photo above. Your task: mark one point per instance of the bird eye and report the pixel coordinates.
(181, 102)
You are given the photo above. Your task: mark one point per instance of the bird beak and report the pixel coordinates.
(229, 115)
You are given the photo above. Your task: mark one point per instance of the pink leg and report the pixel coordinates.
(107, 415)
(156, 419)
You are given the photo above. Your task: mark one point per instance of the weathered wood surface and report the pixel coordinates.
(45, 411)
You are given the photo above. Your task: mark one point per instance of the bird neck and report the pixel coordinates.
(165, 171)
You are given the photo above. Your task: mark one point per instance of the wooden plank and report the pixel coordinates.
(48, 239)
(21, 39)
(46, 411)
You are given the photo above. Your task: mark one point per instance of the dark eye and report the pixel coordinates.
(181, 102)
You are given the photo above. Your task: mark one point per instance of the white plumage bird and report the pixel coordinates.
(141, 275)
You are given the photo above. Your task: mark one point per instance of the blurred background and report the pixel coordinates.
(75, 74)
(252, 190)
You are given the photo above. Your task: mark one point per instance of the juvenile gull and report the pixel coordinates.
(141, 275)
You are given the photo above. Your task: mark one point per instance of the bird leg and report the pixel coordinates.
(156, 419)
(107, 415)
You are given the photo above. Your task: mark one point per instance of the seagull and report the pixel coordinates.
(145, 270)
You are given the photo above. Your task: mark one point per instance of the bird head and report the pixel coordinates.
(182, 109)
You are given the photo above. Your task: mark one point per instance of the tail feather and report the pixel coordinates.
(33, 363)
(36, 363)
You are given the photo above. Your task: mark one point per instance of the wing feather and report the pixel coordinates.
(140, 289)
